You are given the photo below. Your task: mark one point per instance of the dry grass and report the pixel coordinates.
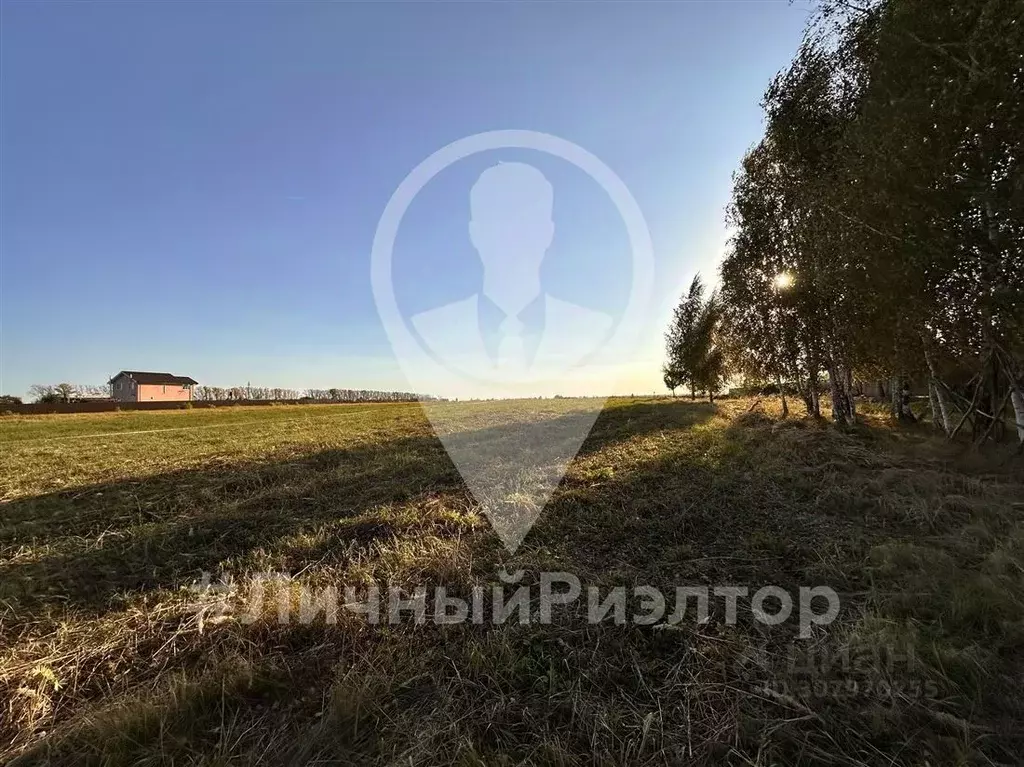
(109, 658)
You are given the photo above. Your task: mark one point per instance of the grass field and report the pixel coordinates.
(108, 657)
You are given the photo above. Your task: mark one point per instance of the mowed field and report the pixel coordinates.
(110, 655)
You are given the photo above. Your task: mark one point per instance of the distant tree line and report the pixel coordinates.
(219, 393)
(879, 223)
(67, 392)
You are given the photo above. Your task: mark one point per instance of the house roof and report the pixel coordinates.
(143, 377)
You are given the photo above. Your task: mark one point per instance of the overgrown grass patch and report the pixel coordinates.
(113, 655)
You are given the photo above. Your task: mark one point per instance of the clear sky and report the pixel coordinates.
(194, 187)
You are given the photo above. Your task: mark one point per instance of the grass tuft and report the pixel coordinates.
(114, 651)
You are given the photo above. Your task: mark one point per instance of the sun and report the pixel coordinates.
(783, 280)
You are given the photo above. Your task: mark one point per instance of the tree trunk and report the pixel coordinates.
(904, 411)
(785, 405)
(837, 396)
(812, 386)
(993, 388)
(1018, 409)
(850, 401)
(809, 394)
(895, 390)
(840, 384)
(805, 391)
(944, 411)
(933, 400)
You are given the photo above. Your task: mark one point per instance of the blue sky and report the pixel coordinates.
(195, 187)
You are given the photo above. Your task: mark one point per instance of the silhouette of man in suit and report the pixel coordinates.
(511, 330)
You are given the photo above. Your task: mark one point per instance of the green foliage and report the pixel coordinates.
(888, 184)
(695, 358)
(672, 378)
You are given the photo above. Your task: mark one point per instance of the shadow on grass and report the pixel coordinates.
(85, 547)
(735, 503)
(657, 495)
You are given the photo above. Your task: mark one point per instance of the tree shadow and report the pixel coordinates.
(652, 498)
(93, 548)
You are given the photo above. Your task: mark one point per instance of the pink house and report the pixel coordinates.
(138, 386)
